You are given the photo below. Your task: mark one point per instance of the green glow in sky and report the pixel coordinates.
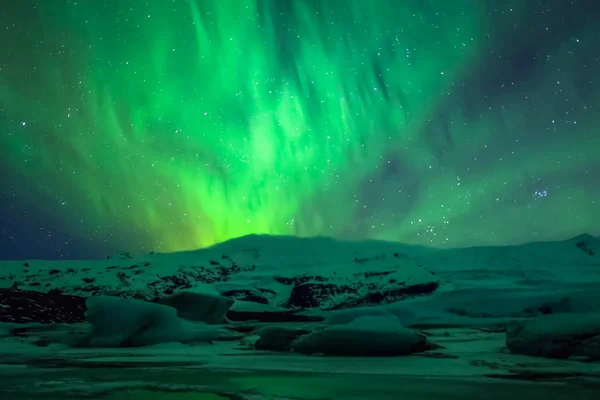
(170, 125)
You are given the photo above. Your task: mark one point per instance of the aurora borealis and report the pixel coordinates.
(174, 124)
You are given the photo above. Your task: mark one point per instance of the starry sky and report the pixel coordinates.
(165, 125)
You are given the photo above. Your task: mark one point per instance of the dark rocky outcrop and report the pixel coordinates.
(314, 294)
(26, 306)
(587, 244)
(249, 295)
(389, 295)
(332, 296)
(585, 247)
(298, 280)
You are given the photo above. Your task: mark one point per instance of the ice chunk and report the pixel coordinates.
(364, 336)
(203, 307)
(277, 338)
(119, 322)
(556, 336)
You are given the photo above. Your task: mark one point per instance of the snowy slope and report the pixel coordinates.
(322, 274)
(268, 266)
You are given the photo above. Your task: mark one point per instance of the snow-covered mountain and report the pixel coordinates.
(273, 273)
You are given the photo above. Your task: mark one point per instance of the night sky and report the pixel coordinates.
(164, 125)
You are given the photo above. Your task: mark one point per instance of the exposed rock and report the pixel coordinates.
(365, 336)
(314, 294)
(333, 296)
(277, 338)
(249, 295)
(23, 306)
(557, 336)
(389, 295)
(371, 274)
(188, 277)
(170, 284)
(587, 243)
(298, 280)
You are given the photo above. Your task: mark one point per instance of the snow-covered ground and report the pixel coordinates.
(456, 311)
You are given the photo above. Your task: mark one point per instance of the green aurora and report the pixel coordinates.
(175, 124)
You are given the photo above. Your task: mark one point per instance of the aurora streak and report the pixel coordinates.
(170, 125)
